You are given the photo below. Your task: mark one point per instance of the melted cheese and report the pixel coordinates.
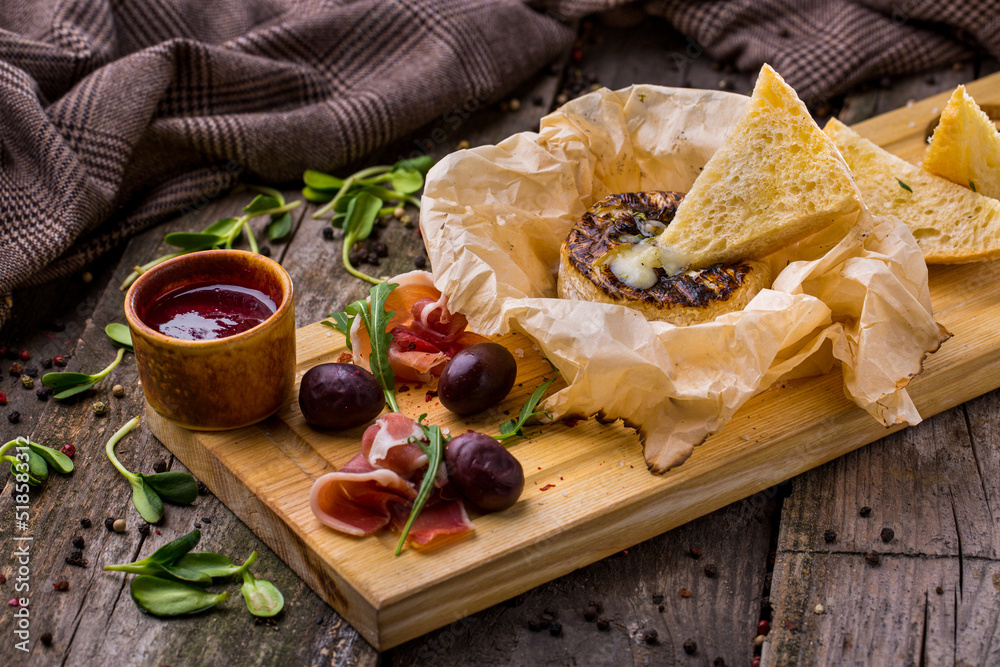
(636, 264)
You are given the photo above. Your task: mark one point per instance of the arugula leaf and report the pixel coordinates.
(374, 318)
(435, 453)
(511, 427)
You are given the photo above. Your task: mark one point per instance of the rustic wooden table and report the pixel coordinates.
(933, 597)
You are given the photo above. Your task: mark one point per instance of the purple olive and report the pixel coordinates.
(339, 396)
(478, 377)
(483, 471)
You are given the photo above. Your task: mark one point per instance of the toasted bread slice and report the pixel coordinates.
(775, 180)
(965, 147)
(952, 224)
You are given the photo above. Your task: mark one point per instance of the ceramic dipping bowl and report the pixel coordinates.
(222, 383)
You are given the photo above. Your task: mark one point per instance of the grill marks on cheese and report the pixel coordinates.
(775, 180)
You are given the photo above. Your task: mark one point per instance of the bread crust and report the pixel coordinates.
(682, 299)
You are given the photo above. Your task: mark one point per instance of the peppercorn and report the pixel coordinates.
(100, 409)
(143, 529)
(47, 362)
(763, 627)
(119, 525)
(695, 552)
(3, 578)
(265, 250)
(381, 249)
(872, 558)
(514, 104)
(13, 416)
(939, 590)
(15, 369)
(68, 449)
(685, 593)
(118, 391)
(78, 542)
(46, 639)
(160, 466)
(830, 535)
(76, 558)
(206, 519)
(865, 511)
(758, 641)
(651, 636)
(590, 614)
(109, 523)
(202, 489)
(3, 398)
(85, 522)
(819, 609)
(42, 393)
(719, 662)
(420, 261)
(61, 585)
(59, 361)
(197, 524)
(27, 382)
(25, 355)
(87, 277)
(328, 232)
(690, 647)
(755, 662)
(887, 534)
(711, 570)
(31, 370)
(656, 598)
(555, 629)
(603, 624)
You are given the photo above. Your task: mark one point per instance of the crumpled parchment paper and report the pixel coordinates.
(493, 219)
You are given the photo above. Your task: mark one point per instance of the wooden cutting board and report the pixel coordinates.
(587, 492)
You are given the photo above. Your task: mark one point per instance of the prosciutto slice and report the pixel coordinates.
(425, 334)
(380, 483)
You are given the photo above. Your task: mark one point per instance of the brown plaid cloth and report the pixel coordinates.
(116, 115)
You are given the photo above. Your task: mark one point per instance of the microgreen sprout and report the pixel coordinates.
(355, 202)
(149, 491)
(262, 597)
(224, 233)
(71, 384)
(32, 462)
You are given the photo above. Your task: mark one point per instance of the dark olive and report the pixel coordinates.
(483, 471)
(478, 377)
(339, 396)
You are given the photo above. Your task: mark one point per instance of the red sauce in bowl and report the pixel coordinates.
(209, 310)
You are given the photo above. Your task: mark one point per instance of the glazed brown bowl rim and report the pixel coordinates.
(286, 302)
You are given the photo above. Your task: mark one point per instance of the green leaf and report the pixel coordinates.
(375, 318)
(165, 555)
(193, 240)
(119, 334)
(317, 180)
(318, 196)
(406, 179)
(422, 163)
(360, 217)
(21, 468)
(280, 226)
(972, 185)
(162, 597)
(342, 322)
(213, 564)
(37, 467)
(224, 228)
(60, 380)
(435, 452)
(146, 500)
(53, 457)
(79, 389)
(510, 428)
(262, 597)
(904, 185)
(175, 486)
(261, 203)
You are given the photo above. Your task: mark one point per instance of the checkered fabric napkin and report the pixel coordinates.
(117, 115)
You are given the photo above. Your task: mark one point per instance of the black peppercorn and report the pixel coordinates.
(109, 523)
(695, 552)
(328, 233)
(872, 557)
(47, 363)
(690, 647)
(78, 542)
(31, 370)
(651, 636)
(865, 511)
(887, 534)
(202, 489)
(85, 522)
(143, 528)
(46, 638)
(711, 570)
(603, 624)
(719, 662)
(160, 466)
(76, 558)
(555, 629)
(42, 393)
(265, 250)
(830, 535)
(13, 416)
(420, 261)
(590, 614)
